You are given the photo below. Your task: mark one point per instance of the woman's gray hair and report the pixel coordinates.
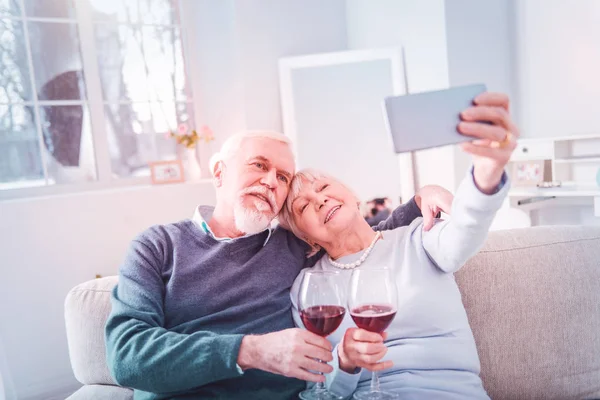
(303, 177)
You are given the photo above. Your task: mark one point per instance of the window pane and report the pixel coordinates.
(136, 134)
(49, 8)
(20, 159)
(68, 143)
(161, 12)
(10, 7)
(116, 10)
(56, 58)
(141, 63)
(15, 84)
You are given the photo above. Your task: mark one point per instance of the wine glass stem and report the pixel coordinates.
(320, 385)
(375, 382)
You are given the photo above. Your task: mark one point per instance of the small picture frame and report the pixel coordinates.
(529, 173)
(162, 172)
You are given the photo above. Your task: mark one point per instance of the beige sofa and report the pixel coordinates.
(532, 296)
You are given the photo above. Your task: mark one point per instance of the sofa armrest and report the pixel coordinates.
(87, 307)
(102, 392)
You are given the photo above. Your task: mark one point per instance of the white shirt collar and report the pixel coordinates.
(204, 213)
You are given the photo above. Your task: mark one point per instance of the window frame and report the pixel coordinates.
(83, 17)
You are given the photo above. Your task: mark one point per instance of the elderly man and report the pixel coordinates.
(202, 308)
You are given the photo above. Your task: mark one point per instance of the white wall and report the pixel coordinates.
(215, 68)
(481, 44)
(420, 28)
(49, 245)
(270, 29)
(235, 47)
(558, 63)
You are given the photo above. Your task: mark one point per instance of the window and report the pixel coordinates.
(88, 90)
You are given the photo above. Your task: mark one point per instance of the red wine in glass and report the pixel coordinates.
(322, 320)
(373, 317)
(372, 304)
(321, 309)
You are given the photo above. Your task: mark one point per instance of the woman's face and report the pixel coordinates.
(324, 208)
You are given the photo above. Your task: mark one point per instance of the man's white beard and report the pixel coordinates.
(251, 221)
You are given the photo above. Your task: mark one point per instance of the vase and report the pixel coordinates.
(191, 166)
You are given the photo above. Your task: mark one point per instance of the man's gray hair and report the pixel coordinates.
(234, 142)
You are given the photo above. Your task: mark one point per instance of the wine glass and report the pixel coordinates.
(321, 305)
(372, 304)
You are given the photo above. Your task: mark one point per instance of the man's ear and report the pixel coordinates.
(218, 173)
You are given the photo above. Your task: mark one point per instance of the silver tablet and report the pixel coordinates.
(429, 119)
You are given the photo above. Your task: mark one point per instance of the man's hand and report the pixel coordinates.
(363, 349)
(432, 199)
(291, 353)
(495, 133)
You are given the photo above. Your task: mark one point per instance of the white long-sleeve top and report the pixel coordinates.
(430, 340)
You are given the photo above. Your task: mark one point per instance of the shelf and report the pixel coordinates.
(589, 136)
(567, 190)
(22, 184)
(583, 159)
(575, 160)
(25, 193)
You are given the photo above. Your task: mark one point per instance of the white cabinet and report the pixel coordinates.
(574, 161)
(537, 149)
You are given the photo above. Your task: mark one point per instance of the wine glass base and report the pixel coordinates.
(376, 395)
(318, 394)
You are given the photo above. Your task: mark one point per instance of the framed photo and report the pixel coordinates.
(166, 172)
(528, 173)
(308, 94)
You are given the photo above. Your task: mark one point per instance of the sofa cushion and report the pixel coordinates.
(533, 300)
(86, 310)
(102, 392)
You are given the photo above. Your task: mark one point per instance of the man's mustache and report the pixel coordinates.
(267, 194)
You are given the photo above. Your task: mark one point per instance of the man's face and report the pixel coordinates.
(255, 181)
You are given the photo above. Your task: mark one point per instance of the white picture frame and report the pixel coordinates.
(162, 172)
(396, 172)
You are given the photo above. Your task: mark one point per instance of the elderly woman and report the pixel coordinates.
(430, 348)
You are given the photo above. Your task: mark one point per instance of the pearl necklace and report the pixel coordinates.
(362, 259)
